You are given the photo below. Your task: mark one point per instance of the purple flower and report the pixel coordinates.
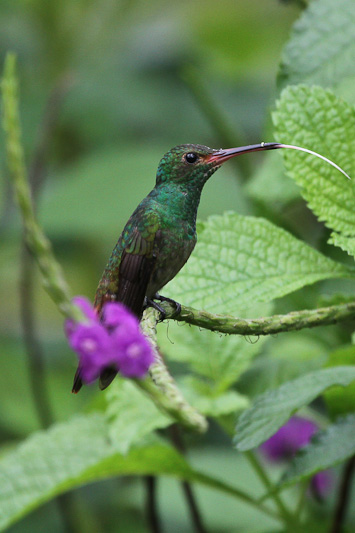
(87, 309)
(296, 434)
(321, 484)
(91, 342)
(115, 340)
(116, 317)
(135, 355)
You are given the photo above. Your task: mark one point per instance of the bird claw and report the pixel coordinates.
(155, 305)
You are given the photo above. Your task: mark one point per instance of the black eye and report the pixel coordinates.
(191, 157)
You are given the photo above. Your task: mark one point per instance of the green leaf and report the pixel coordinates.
(327, 448)
(345, 243)
(315, 119)
(78, 452)
(131, 415)
(341, 400)
(272, 409)
(239, 261)
(219, 358)
(321, 49)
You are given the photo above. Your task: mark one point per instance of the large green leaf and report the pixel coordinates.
(219, 358)
(327, 448)
(131, 414)
(314, 118)
(239, 261)
(272, 409)
(79, 452)
(321, 49)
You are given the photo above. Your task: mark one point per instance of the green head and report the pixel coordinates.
(194, 163)
(187, 163)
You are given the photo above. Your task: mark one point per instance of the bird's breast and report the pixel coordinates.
(173, 248)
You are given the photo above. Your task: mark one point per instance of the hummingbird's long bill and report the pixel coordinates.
(220, 156)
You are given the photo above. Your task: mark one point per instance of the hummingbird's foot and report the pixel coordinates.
(170, 301)
(151, 303)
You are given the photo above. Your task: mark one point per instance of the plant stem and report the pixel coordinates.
(35, 355)
(162, 387)
(296, 320)
(301, 498)
(53, 279)
(264, 478)
(196, 516)
(151, 504)
(343, 497)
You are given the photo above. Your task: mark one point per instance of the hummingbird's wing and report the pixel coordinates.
(127, 274)
(128, 271)
(136, 267)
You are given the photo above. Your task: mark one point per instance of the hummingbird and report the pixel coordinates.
(160, 235)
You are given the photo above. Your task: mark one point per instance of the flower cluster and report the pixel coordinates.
(114, 341)
(296, 434)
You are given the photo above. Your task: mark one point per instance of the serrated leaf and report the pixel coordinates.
(131, 415)
(327, 448)
(321, 49)
(69, 455)
(272, 409)
(78, 452)
(219, 358)
(345, 243)
(314, 118)
(239, 261)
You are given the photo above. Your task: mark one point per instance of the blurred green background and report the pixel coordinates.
(107, 87)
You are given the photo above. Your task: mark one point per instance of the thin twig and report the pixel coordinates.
(296, 320)
(344, 496)
(36, 177)
(195, 513)
(151, 504)
(33, 348)
(35, 355)
(264, 478)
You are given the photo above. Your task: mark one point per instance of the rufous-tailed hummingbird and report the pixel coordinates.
(161, 233)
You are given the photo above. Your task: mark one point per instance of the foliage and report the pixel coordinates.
(280, 243)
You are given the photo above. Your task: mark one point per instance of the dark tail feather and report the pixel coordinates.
(106, 377)
(77, 384)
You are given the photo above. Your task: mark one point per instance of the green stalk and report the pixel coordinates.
(264, 478)
(37, 242)
(296, 320)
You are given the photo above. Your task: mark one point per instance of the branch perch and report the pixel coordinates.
(296, 320)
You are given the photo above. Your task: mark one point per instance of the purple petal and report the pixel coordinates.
(116, 315)
(69, 327)
(295, 434)
(135, 357)
(93, 346)
(86, 307)
(321, 484)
